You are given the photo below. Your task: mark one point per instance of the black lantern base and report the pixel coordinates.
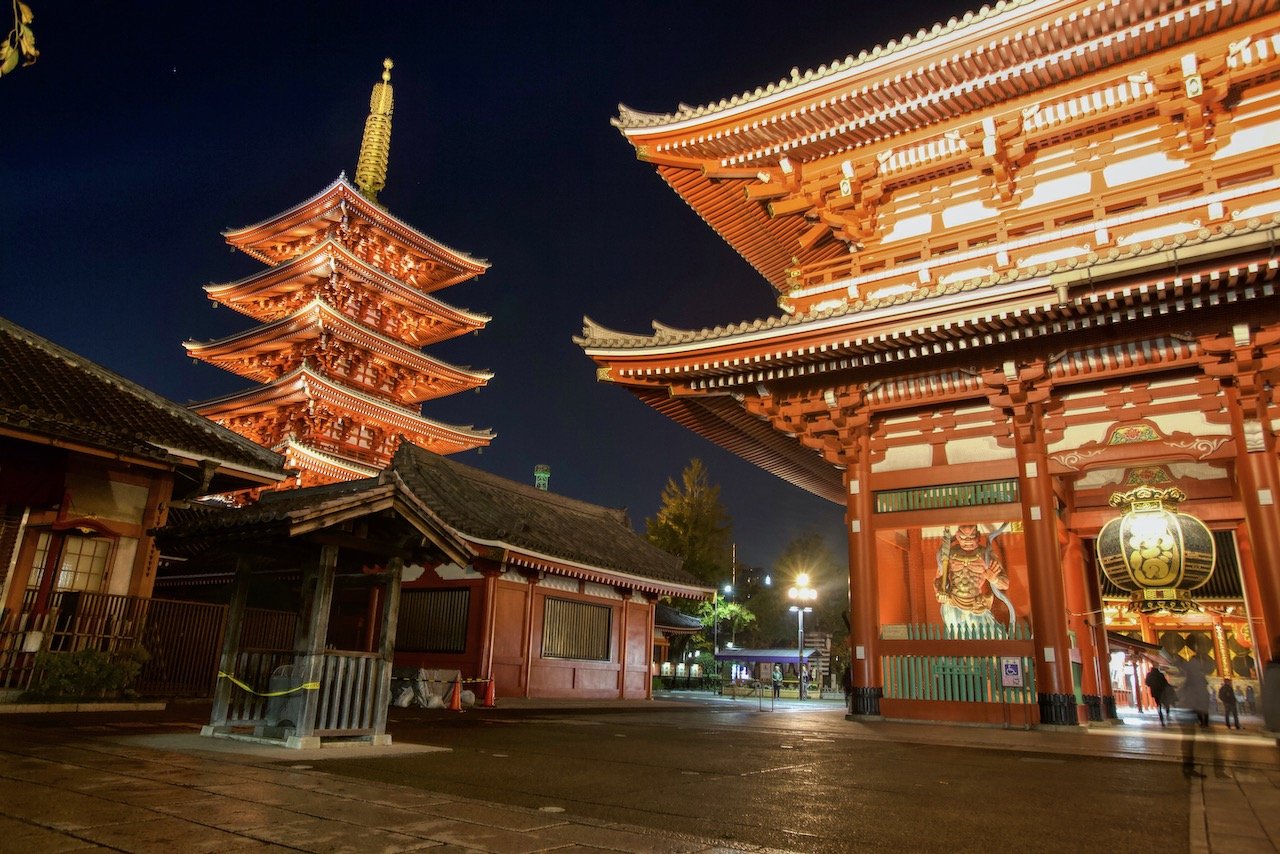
(1058, 709)
(866, 701)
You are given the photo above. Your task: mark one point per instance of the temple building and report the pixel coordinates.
(1028, 336)
(345, 307)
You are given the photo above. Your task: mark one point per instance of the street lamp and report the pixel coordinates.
(800, 594)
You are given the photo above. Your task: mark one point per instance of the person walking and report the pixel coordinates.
(777, 681)
(1161, 693)
(1230, 705)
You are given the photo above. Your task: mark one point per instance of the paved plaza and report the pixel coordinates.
(623, 776)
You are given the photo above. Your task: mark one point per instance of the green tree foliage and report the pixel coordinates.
(693, 524)
(20, 44)
(806, 553)
(732, 617)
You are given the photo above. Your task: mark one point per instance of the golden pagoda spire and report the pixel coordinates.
(375, 147)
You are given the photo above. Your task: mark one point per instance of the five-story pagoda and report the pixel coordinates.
(345, 308)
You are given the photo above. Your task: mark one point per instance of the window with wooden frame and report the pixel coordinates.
(576, 630)
(83, 565)
(433, 620)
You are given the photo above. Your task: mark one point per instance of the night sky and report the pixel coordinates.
(146, 129)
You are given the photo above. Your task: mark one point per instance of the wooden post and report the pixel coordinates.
(1044, 570)
(230, 646)
(387, 648)
(864, 605)
(310, 656)
(489, 571)
(622, 646)
(1082, 622)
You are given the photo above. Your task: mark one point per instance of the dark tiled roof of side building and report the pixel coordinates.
(48, 391)
(489, 508)
(666, 617)
(482, 508)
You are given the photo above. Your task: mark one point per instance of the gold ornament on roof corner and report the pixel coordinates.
(1155, 553)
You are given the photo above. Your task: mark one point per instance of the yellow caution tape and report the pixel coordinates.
(305, 686)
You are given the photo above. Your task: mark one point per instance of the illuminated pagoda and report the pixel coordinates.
(1025, 260)
(345, 307)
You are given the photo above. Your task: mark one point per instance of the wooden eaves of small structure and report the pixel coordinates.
(501, 580)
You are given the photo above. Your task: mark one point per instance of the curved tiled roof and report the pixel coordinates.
(629, 118)
(492, 510)
(51, 392)
(668, 618)
(482, 509)
(597, 337)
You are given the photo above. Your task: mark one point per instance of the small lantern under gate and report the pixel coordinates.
(1155, 553)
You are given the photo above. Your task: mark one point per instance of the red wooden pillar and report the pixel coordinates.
(1242, 360)
(1021, 391)
(490, 571)
(1083, 621)
(1259, 492)
(1098, 632)
(1044, 569)
(1262, 646)
(864, 604)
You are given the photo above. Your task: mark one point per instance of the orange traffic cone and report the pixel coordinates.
(489, 700)
(455, 699)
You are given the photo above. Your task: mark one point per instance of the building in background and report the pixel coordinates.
(90, 464)
(1025, 262)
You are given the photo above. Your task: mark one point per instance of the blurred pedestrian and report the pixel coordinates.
(1162, 693)
(1230, 705)
(777, 681)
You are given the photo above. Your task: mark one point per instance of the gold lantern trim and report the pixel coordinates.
(1155, 553)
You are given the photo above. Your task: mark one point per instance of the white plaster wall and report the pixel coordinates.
(979, 449)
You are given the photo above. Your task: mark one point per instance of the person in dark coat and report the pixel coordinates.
(1230, 705)
(1161, 693)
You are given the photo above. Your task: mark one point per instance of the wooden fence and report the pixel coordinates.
(183, 639)
(271, 686)
(980, 673)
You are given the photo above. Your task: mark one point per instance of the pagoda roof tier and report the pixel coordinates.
(1233, 266)
(316, 467)
(304, 384)
(748, 163)
(266, 353)
(264, 295)
(284, 235)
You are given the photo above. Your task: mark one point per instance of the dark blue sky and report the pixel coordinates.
(145, 129)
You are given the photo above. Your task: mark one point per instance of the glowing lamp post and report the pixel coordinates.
(800, 594)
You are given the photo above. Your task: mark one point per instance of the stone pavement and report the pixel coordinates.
(104, 789)
(189, 794)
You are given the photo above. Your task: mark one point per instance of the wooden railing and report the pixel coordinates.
(182, 638)
(960, 663)
(352, 692)
(255, 668)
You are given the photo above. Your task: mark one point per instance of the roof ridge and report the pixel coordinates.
(473, 473)
(629, 117)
